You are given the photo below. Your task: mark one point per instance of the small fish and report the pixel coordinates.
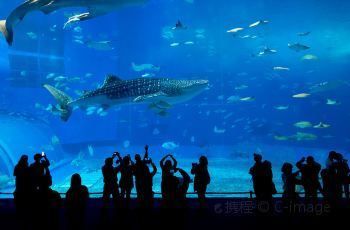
(301, 95)
(189, 43)
(322, 126)
(60, 78)
(298, 47)
(240, 87)
(32, 35)
(219, 130)
(103, 114)
(303, 124)
(266, 51)
(248, 99)
(281, 107)
(302, 34)
(50, 75)
(232, 99)
(147, 75)
(170, 145)
(258, 23)
(332, 102)
(309, 57)
(175, 44)
(299, 136)
(235, 30)
(280, 68)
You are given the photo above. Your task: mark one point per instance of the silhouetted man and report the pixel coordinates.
(309, 177)
(262, 177)
(110, 180)
(201, 178)
(38, 170)
(126, 182)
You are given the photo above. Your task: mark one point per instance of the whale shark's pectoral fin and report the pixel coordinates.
(150, 97)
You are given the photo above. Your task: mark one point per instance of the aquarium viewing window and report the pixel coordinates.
(221, 79)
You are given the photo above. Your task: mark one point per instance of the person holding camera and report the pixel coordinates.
(38, 171)
(110, 180)
(201, 178)
(141, 171)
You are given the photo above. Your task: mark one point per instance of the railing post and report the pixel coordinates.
(251, 194)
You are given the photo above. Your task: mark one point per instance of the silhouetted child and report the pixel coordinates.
(201, 178)
(76, 201)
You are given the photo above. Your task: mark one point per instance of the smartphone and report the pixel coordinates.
(42, 154)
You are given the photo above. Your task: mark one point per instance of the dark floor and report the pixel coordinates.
(223, 213)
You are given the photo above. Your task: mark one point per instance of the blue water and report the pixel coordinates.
(144, 35)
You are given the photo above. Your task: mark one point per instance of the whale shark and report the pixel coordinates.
(159, 93)
(94, 8)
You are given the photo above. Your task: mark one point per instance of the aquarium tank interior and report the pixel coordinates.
(224, 78)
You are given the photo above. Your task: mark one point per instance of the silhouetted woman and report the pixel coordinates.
(201, 178)
(290, 181)
(76, 200)
(126, 182)
(22, 192)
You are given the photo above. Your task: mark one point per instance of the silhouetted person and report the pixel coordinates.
(262, 177)
(110, 180)
(141, 171)
(38, 171)
(76, 202)
(309, 177)
(343, 173)
(182, 188)
(22, 192)
(148, 183)
(49, 204)
(290, 181)
(332, 179)
(201, 178)
(169, 181)
(126, 181)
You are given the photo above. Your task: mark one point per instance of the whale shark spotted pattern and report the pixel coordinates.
(160, 92)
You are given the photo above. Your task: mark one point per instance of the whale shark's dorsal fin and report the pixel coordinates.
(110, 79)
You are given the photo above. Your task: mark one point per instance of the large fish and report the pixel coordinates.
(162, 92)
(95, 8)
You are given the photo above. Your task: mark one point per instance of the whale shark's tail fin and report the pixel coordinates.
(8, 33)
(63, 101)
